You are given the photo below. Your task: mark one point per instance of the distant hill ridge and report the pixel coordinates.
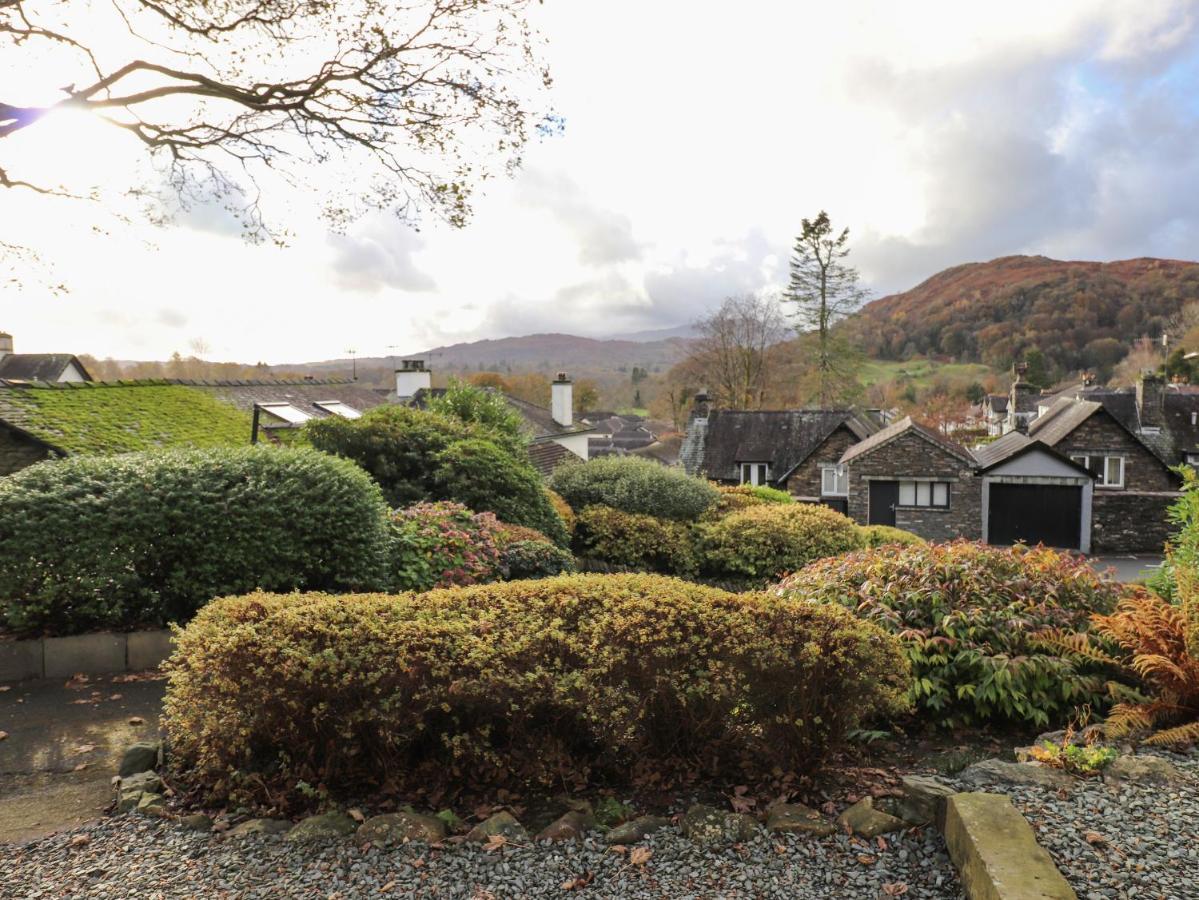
(994, 312)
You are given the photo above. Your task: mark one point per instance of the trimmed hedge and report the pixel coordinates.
(535, 559)
(569, 680)
(442, 545)
(143, 539)
(881, 535)
(969, 617)
(634, 541)
(763, 542)
(634, 485)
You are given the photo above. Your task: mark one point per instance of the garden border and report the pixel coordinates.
(98, 653)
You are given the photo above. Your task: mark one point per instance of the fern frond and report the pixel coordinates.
(1180, 735)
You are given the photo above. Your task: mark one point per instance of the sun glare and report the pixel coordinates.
(69, 147)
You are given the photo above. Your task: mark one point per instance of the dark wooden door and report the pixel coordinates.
(884, 497)
(1035, 514)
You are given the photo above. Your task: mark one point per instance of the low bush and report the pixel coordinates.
(881, 535)
(143, 539)
(764, 542)
(768, 494)
(634, 541)
(510, 534)
(535, 559)
(442, 545)
(731, 498)
(563, 509)
(419, 456)
(634, 485)
(971, 619)
(567, 680)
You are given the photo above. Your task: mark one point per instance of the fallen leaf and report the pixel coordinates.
(865, 859)
(356, 815)
(5, 687)
(84, 748)
(578, 882)
(640, 856)
(882, 842)
(80, 840)
(1095, 839)
(495, 842)
(619, 849)
(387, 887)
(136, 720)
(80, 767)
(895, 889)
(114, 696)
(418, 862)
(3, 735)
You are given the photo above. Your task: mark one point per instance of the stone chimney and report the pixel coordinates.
(5, 344)
(702, 406)
(1151, 399)
(562, 401)
(1088, 379)
(412, 376)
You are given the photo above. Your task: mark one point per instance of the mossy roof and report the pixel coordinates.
(118, 417)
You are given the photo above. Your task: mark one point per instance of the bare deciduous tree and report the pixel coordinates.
(731, 356)
(414, 100)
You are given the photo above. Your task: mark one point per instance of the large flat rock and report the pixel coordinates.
(996, 852)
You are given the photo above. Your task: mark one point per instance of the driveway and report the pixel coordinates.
(63, 745)
(1130, 567)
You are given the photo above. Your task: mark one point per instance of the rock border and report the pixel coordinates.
(98, 653)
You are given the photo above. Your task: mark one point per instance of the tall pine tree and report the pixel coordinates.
(824, 289)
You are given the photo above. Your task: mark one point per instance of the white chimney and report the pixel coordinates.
(412, 376)
(562, 401)
(5, 344)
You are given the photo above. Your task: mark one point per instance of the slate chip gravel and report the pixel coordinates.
(130, 856)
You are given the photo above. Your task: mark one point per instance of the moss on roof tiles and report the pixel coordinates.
(117, 418)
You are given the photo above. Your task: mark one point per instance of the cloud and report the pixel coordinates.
(604, 236)
(378, 256)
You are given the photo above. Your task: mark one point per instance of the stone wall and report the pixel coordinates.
(1130, 521)
(805, 480)
(911, 456)
(1101, 433)
(18, 451)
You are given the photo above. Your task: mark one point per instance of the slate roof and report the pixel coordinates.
(39, 366)
(1000, 449)
(548, 455)
(118, 417)
(998, 402)
(1062, 417)
(302, 394)
(782, 438)
(904, 425)
(539, 421)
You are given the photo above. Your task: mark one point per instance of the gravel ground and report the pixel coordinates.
(130, 856)
(1132, 840)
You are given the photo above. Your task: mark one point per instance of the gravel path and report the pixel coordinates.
(1115, 841)
(130, 856)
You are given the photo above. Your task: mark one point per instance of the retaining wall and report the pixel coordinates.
(102, 653)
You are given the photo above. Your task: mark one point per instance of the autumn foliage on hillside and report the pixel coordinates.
(1078, 314)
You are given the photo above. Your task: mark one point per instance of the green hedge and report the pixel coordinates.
(634, 485)
(763, 542)
(143, 539)
(634, 541)
(969, 617)
(571, 680)
(442, 545)
(881, 535)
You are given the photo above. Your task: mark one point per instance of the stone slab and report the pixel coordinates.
(147, 649)
(996, 853)
(20, 660)
(91, 654)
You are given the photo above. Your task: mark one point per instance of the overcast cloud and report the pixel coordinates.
(697, 137)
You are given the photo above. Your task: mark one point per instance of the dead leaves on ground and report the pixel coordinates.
(895, 889)
(578, 882)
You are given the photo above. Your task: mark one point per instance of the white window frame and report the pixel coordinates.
(839, 474)
(1101, 479)
(927, 487)
(338, 408)
(758, 473)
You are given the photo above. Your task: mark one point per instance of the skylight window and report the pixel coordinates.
(286, 412)
(337, 408)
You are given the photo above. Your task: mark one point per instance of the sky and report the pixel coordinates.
(697, 135)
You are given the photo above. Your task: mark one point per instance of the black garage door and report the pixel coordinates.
(1036, 514)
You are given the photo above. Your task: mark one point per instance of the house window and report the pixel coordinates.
(337, 408)
(285, 411)
(1108, 470)
(834, 481)
(924, 493)
(1191, 458)
(755, 473)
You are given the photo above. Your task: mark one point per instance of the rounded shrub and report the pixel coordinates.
(535, 559)
(760, 543)
(634, 485)
(634, 541)
(143, 539)
(563, 509)
(970, 617)
(442, 545)
(575, 679)
(881, 535)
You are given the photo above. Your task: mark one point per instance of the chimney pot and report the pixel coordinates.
(1151, 398)
(562, 401)
(5, 344)
(411, 377)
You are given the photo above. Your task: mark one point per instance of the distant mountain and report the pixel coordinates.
(657, 334)
(1077, 314)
